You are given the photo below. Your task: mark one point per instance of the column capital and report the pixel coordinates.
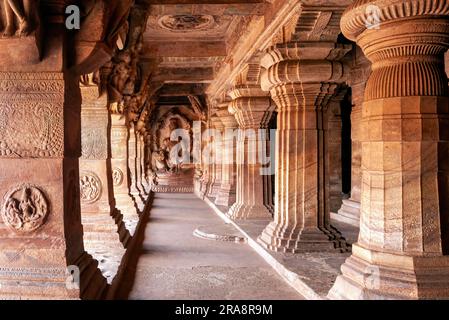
(227, 118)
(368, 19)
(406, 45)
(251, 106)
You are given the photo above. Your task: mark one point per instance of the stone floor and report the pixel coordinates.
(311, 273)
(175, 264)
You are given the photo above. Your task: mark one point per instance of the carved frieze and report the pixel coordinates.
(25, 208)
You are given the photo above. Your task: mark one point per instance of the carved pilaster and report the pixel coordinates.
(40, 208)
(404, 234)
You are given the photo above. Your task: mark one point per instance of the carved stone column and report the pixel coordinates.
(144, 178)
(404, 226)
(252, 109)
(40, 225)
(98, 214)
(139, 181)
(299, 88)
(215, 166)
(226, 195)
(350, 210)
(132, 168)
(332, 153)
(206, 173)
(120, 173)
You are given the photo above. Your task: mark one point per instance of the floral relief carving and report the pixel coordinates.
(186, 22)
(25, 209)
(31, 115)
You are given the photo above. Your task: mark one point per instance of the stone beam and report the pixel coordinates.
(184, 75)
(239, 9)
(151, 2)
(176, 90)
(185, 49)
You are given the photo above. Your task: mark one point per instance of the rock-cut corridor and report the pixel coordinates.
(174, 264)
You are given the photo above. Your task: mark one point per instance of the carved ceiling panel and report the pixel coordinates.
(201, 27)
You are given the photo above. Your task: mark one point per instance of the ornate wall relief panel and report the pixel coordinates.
(94, 143)
(31, 115)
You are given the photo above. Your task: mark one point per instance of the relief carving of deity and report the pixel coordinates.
(117, 177)
(25, 209)
(90, 186)
(21, 17)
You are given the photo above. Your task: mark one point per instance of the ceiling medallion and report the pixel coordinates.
(182, 23)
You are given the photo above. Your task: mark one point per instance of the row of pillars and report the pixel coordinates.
(400, 124)
(113, 181)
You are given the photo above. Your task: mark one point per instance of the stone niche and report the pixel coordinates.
(172, 168)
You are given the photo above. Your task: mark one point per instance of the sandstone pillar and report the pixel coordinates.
(144, 177)
(215, 166)
(404, 225)
(120, 173)
(226, 195)
(350, 210)
(206, 169)
(98, 214)
(299, 88)
(252, 109)
(132, 168)
(139, 172)
(332, 152)
(40, 227)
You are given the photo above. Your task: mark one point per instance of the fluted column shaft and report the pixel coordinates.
(300, 88)
(227, 192)
(252, 109)
(404, 225)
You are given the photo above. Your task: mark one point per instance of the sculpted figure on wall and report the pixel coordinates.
(90, 186)
(25, 209)
(21, 17)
